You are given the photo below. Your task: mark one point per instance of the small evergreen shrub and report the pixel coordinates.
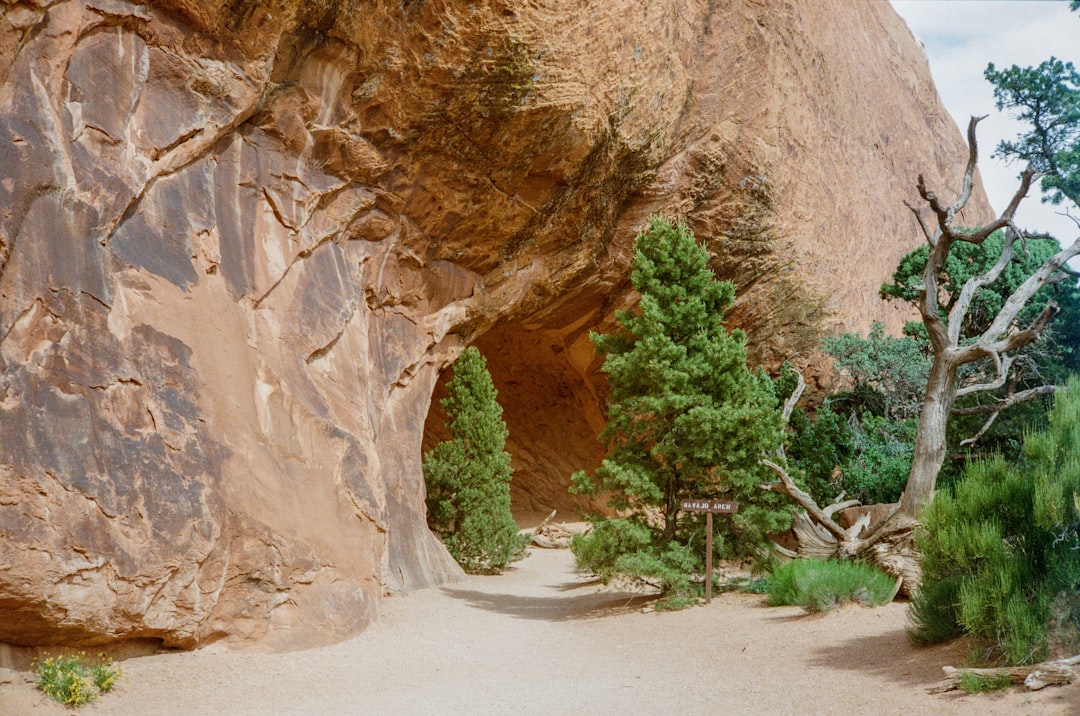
(817, 451)
(76, 680)
(858, 452)
(608, 541)
(888, 374)
(618, 547)
(820, 586)
(1001, 550)
(878, 469)
(468, 476)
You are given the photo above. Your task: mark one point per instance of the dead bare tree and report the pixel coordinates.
(998, 343)
(888, 541)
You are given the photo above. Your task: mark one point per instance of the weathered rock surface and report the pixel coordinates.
(239, 242)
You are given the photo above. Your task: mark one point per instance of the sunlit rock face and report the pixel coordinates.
(240, 242)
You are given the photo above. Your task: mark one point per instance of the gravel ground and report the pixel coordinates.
(542, 639)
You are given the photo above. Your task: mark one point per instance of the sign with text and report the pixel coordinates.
(708, 506)
(726, 506)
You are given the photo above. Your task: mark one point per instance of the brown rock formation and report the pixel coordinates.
(239, 241)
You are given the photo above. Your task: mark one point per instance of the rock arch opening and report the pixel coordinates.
(551, 394)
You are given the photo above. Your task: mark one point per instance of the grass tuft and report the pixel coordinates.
(820, 586)
(974, 683)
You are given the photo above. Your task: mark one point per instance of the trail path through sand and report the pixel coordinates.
(541, 639)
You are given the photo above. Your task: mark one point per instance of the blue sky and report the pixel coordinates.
(960, 37)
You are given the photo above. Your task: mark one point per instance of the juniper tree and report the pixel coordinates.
(685, 419)
(468, 476)
(1047, 98)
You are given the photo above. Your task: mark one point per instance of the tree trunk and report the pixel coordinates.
(671, 509)
(930, 438)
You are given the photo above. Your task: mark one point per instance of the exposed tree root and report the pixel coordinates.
(888, 543)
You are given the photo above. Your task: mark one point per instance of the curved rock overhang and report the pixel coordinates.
(240, 241)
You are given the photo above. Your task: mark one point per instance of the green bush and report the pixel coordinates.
(868, 458)
(878, 469)
(468, 476)
(820, 586)
(76, 680)
(1001, 550)
(888, 374)
(608, 541)
(974, 683)
(818, 449)
(622, 547)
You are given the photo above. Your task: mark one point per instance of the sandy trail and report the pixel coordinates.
(541, 639)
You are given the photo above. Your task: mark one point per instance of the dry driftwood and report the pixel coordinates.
(551, 535)
(1034, 677)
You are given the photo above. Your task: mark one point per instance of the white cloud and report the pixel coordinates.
(961, 38)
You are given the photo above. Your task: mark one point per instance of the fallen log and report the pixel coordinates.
(552, 536)
(1033, 677)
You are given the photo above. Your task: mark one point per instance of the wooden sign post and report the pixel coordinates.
(709, 507)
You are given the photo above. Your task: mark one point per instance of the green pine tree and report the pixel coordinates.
(468, 476)
(686, 419)
(1047, 98)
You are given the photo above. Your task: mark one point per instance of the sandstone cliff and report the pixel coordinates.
(239, 241)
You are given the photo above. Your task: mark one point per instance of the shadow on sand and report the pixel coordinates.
(596, 605)
(892, 656)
